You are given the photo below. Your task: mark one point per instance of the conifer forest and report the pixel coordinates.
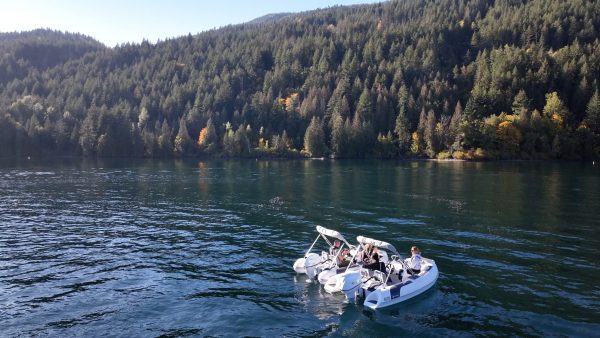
(462, 79)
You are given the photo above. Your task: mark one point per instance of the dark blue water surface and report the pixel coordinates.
(175, 248)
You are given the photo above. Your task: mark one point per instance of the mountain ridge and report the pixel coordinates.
(269, 18)
(468, 79)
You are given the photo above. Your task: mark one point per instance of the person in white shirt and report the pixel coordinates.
(414, 262)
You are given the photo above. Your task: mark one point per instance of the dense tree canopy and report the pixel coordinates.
(380, 80)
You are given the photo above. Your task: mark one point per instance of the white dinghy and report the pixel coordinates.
(345, 264)
(333, 279)
(312, 264)
(384, 288)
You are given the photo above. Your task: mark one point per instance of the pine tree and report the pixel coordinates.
(143, 118)
(592, 114)
(165, 145)
(241, 142)
(402, 125)
(454, 127)
(340, 137)
(520, 103)
(183, 141)
(364, 108)
(431, 147)
(314, 139)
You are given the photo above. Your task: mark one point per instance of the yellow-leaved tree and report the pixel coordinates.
(509, 138)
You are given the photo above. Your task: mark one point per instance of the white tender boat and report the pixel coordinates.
(313, 264)
(380, 289)
(331, 278)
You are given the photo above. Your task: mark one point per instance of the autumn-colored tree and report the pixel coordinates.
(291, 102)
(207, 139)
(202, 137)
(415, 144)
(556, 110)
(509, 138)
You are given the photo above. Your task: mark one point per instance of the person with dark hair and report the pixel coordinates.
(371, 259)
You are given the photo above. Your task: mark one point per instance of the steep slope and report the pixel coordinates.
(418, 77)
(39, 50)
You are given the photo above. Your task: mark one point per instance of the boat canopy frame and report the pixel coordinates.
(324, 233)
(377, 243)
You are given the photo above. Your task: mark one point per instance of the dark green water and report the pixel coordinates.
(150, 248)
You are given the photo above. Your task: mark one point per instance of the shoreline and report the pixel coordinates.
(286, 158)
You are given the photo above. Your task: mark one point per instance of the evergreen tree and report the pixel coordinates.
(143, 118)
(431, 147)
(454, 127)
(165, 145)
(229, 140)
(314, 138)
(241, 142)
(402, 125)
(340, 137)
(520, 103)
(364, 109)
(183, 141)
(592, 117)
(89, 133)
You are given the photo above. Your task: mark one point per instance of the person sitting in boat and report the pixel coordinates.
(371, 259)
(344, 258)
(335, 247)
(414, 262)
(365, 254)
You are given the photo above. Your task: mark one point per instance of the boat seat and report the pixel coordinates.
(379, 275)
(424, 270)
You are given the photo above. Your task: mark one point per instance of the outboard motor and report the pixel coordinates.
(311, 264)
(350, 283)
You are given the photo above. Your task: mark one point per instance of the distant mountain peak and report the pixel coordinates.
(269, 18)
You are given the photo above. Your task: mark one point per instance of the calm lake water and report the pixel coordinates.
(176, 248)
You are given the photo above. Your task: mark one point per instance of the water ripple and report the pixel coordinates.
(181, 248)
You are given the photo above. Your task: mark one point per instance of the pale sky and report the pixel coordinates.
(113, 22)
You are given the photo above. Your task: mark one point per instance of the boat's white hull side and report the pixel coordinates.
(347, 282)
(301, 263)
(393, 294)
(326, 275)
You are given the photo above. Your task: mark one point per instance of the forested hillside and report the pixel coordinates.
(462, 79)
